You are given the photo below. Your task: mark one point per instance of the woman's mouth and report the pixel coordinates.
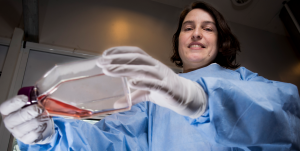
(196, 45)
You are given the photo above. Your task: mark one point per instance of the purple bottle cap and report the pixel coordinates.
(28, 91)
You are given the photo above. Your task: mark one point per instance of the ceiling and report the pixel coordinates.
(261, 14)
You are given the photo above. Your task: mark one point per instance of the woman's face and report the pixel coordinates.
(198, 40)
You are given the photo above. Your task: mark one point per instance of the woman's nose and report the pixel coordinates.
(196, 34)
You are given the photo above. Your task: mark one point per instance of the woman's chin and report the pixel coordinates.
(195, 60)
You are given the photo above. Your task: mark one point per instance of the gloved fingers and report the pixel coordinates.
(123, 50)
(136, 97)
(24, 128)
(29, 138)
(133, 71)
(13, 104)
(22, 116)
(128, 58)
(149, 84)
(42, 134)
(35, 135)
(158, 92)
(139, 96)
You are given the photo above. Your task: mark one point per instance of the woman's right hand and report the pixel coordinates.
(27, 124)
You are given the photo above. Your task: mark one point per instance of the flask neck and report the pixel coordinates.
(31, 92)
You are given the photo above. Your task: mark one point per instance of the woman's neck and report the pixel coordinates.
(190, 68)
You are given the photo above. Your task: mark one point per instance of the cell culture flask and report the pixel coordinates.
(79, 90)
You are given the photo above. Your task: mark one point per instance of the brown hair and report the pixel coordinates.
(227, 43)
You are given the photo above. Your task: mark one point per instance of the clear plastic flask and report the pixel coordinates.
(79, 90)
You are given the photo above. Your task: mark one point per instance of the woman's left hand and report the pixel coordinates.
(154, 81)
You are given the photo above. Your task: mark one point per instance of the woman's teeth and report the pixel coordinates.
(195, 46)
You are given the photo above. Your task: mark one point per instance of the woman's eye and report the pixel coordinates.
(187, 29)
(208, 29)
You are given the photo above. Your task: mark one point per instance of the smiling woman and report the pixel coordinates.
(198, 38)
(203, 24)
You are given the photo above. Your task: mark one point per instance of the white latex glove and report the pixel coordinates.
(30, 125)
(154, 81)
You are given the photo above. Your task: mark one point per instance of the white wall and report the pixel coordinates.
(95, 25)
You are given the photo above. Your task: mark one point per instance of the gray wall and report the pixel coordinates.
(95, 25)
(271, 55)
(10, 16)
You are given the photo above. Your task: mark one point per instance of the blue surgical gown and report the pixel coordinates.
(245, 112)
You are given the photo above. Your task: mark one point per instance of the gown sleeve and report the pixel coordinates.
(250, 111)
(121, 131)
